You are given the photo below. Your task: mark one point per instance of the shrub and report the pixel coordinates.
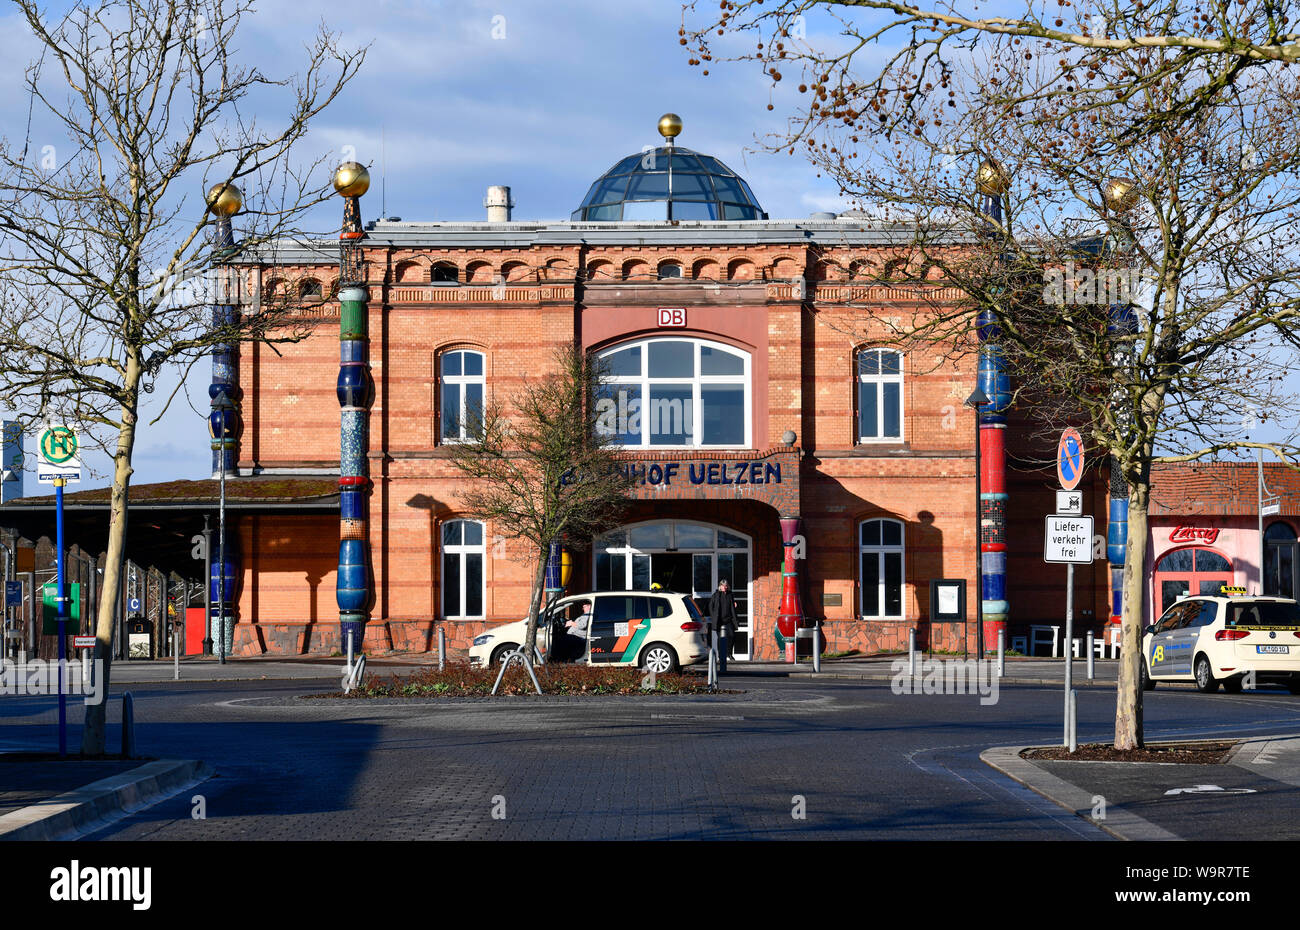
(464, 680)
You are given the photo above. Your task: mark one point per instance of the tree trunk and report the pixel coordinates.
(93, 736)
(1128, 696)
(535, 604)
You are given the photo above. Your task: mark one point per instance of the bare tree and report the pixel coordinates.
(102, 249)
(890, 61)
(1136, 283)
(551, 472)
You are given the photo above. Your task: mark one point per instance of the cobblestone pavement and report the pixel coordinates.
(786, 759)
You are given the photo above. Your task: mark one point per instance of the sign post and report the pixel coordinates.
(57, 464)
(13, 598)
(62, 602)
(1069, 539)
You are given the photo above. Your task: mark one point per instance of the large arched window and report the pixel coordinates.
(1189, 572)
(880, 546)
(461, 386)
(880, 395)
(1280, 562)
(463, 552)
(676, 393)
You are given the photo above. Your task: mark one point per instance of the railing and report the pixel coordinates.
(492, 293)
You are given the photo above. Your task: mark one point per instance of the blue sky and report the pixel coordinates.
(561, 92)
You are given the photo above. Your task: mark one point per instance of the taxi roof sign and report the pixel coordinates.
(1231, 589)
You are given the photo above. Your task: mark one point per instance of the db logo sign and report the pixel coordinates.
(675, 317)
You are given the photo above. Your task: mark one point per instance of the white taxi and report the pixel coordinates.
(1220, 640)
(656, 630)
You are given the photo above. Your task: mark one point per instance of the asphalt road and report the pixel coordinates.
(854, 759)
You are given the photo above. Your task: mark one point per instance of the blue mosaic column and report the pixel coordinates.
(353, 590)
(224, 425)
(1123, 323)
(992, 186)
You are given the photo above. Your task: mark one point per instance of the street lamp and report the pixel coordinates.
(977, 400)
(224, 410)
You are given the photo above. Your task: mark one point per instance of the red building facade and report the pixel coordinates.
(760, 336)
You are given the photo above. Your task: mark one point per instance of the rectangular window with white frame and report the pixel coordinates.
(463, 555)
(461, 385)
(880, 395)
(880, 547)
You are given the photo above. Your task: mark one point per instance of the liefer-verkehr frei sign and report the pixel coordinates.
(1069, 539)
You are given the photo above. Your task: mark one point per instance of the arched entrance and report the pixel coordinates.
(1189, 571)
(680, 555)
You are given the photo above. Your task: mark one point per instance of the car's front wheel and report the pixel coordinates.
(659, 658)
(500, 652)
(1206, 683)
(1148, 683)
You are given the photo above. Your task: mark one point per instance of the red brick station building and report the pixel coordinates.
(759, 327)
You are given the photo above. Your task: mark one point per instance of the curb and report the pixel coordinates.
(1118, 823)
(74, 813)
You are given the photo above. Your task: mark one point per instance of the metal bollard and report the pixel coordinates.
(1091, 654)
(128, 726)
(442, 649)
(911, 652)
(1074, 721)
(176, 655)
(1002, 653)
(817, 648)
(713, 661)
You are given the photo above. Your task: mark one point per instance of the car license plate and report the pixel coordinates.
(1273, 650)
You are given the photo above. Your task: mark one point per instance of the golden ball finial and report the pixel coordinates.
(224, 200)
(990, 179)
(670, 126)
(1121, 194)
(351, 179)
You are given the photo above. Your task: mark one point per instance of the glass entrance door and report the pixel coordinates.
(689, 558)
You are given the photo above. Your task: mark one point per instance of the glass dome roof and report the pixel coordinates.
(669, 183)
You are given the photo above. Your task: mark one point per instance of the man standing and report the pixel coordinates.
(722, 621)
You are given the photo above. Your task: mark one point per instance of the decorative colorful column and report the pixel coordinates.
(790, 616)
(355, 392)
(224, 426)
(559, 568)
(1122, 324)
(992, 184)
(1121, 195)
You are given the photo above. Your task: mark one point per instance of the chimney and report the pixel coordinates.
(498, 203)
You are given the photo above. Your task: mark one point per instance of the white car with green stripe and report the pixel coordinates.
(656, 630)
